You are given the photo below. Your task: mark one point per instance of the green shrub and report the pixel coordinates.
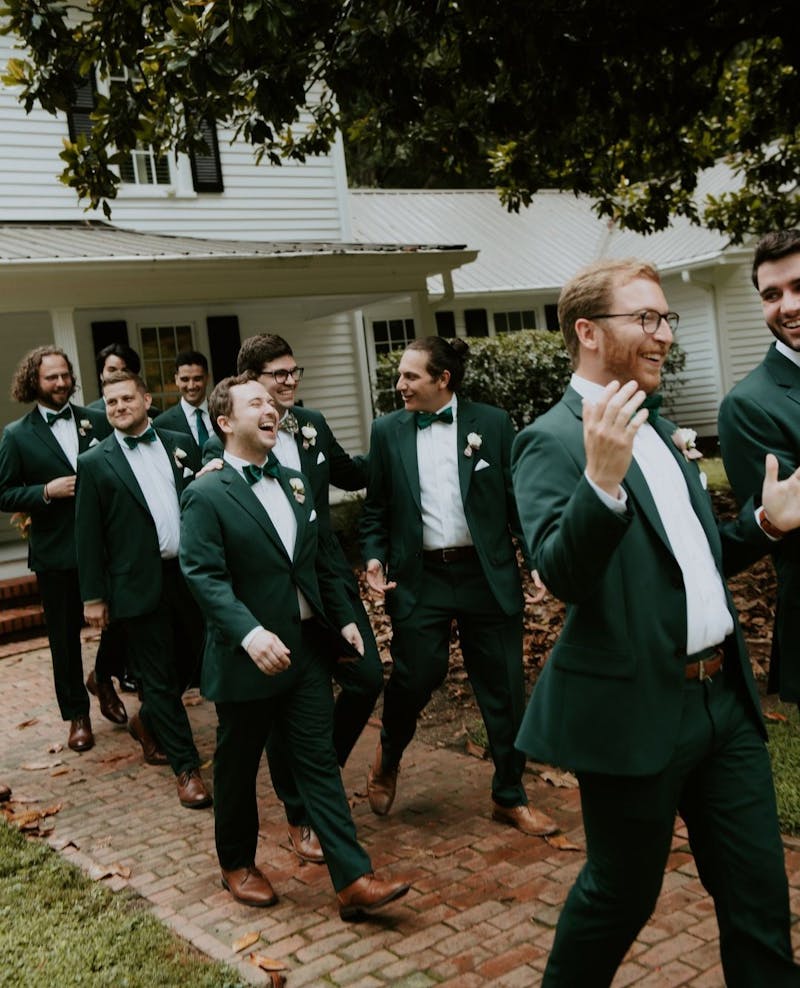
(525, 373)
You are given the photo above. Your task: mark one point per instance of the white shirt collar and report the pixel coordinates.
(787, 352)
(191, 409)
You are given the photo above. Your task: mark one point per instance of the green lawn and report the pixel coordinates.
(58, 929)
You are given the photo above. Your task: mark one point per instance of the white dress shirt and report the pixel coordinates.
(444, 524)
(274, 501)
(151, 467)
(65, 432)
(708, 620)
(285, 449)
(190, 411)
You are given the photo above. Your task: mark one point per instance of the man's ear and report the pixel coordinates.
(224, 424)
(588, 333)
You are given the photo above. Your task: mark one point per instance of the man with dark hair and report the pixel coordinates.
(648, 694)
(305, 442)
(127, 528)
(116, 357)
(762, 415)
(38, 463)
(190, 415)
(276, 608)
(437, 532)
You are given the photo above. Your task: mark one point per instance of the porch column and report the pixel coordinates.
(424, 321)
(64, 334)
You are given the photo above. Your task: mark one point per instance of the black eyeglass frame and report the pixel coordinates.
(672, 319)
(281, 375)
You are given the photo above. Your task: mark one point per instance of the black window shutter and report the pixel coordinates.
(223, 344)
(79, 112)
(206, 166)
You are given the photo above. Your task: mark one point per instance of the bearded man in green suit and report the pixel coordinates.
(762, 414)
(38, 460)
(436, 532)
(306, 443)
(648, 694)
(127, 524)
(276, 609)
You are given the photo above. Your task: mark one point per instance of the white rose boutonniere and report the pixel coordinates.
(309, 434)
(180, 456)
(474, 441)
(685, 440)
(84, 426)
(298, 489)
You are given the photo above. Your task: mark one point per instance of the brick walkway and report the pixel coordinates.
(484, 899)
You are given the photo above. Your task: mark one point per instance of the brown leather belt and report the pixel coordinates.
(455, 554)
(707, 666)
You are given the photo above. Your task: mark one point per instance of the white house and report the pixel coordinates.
(201, 254)
(525, 258)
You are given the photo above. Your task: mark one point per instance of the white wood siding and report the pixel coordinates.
(260, 202)
(744, 337)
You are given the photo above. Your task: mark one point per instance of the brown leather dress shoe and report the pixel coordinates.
(368, 894)
(525, 818)
(305, 844)
(111, 707)
(381, 785)
(249, 886)
(80, 734)
(5, 793)
(192, 790)
(153, 755)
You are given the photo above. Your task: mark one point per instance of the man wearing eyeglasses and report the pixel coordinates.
(307, 443)
(762, 414)
(648, 694)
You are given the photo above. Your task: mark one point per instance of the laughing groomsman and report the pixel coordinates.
(128, 529)
(38, 462)
(436, 532)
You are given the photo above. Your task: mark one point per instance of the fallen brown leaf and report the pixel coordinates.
(192, 701)
(98, 871)
(477, 750)
(60, 843)
(563, 843)
(245, 941)
(55, 747)
(27, 723)
(40, 766)
(267, 963)
(561, 780)
(277, 980)
(774, 715)
(64, 770)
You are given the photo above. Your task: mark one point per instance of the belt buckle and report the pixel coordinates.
(448, 555)
(702, 675)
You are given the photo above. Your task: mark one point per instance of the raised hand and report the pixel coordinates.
(781, 498)
(609, 428)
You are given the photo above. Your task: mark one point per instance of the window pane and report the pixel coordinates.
(514, 321)
(446, 323)
(380, 331)
(476, 322)
(529, 319)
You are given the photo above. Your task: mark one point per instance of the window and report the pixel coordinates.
(81, 106)
(446, 324)
(160, 345)
(142, 166)
(475, 322)
(392, 334)
(513, 322)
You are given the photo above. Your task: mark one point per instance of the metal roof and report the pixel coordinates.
(538, 248)
(97, 241)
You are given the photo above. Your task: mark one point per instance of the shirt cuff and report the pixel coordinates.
(250, 636)
(618, 505)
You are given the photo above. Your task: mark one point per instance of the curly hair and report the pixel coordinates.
(25, 382)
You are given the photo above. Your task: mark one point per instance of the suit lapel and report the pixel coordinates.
(785, 373)
(239, 490)
(308, 457)
(177, 470)
(407, 447)
(118, 462)
(44, 433)
(300, 513)
(85, 432)
(466, 422)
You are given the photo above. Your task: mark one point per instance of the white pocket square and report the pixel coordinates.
(704, 480)
(481, 465)
(93, 442)
(187, 472)
(313, 515)
(321, 457)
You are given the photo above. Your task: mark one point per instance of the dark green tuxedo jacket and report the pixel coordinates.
(241, 576)
(30, 456)
(175, 420)
(609, 698)
(391, 522)
(118, 555)
(762, 415)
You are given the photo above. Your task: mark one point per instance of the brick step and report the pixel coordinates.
(18, 587)
(21, 621)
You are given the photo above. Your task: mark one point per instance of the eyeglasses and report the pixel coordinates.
(281, 376)
(650, 319)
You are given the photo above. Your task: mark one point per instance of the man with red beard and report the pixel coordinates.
(648, 694)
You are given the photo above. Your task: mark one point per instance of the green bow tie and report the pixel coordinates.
(253, 473)
(65, 413)
(289, 424)
(652, 403)
(424, 419)
(148, 436)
